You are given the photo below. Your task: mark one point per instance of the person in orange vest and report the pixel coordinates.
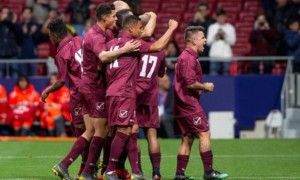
(56, 110)
(23, 106)
(3, 105)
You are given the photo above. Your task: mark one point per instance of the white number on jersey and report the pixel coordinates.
(151, 60)
(79, 58)
(114, 63)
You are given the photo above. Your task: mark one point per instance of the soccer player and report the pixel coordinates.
(190, 119)
(121, 92)
(67, 60)
(93, 84)
(151, 66)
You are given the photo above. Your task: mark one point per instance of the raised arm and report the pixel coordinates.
(162, 42)
(150, 26)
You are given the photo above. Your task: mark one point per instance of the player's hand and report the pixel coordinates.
(173, 24)
(132, 46)
(44, 96)
(209, 87)
(151, 14)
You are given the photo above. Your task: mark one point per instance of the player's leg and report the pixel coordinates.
(106, 150)
(96, 145)
(183, 156)
(154, 151)
(79, 146)
(119, 143)
(207, 157)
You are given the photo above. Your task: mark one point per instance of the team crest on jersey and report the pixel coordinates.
(197, 120)
(77, 111)
(100, 106)
(123, 114)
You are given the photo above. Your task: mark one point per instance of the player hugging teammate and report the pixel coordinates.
(113, 75)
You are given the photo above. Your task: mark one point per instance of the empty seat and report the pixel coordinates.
(147, 7)
(173, 7)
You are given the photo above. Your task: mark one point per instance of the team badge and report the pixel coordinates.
(77, 111)
(123, 114)
(100, 106)
(197, 120)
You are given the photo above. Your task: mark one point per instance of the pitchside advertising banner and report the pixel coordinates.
(249, 97)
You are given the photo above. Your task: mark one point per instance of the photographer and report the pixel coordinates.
(262, 40)
(220, 37)
(9, 35)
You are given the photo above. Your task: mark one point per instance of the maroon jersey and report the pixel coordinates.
(188, 71)
(111, 33)
(93, 44)
(68, 61)
(151, 65)
(121, 73)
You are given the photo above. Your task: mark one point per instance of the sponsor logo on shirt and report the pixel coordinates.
(123, 114)
(100, 106)
(197, 120)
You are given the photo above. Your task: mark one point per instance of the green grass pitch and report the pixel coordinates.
(241, 159)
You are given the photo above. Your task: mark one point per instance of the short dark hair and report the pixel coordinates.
(203, 4)
(190, 30)
(220, 12)
(29, 8)
(58, 27)
(23, 78)
(104, 10)
(258, 15)
(121, 15)
(130, 20)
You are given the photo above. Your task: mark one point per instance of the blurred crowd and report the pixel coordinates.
(275, 32)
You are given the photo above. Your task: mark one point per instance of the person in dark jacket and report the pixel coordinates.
(9, 35)
(292, 41)
(28, 42)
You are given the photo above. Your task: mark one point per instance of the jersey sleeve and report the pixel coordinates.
(98, 45)
(62, 66)
(145, 46)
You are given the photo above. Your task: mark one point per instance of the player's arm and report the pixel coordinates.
(162, 42)
(130, 46)
(56, 86)
(206, 87)
(150, 26)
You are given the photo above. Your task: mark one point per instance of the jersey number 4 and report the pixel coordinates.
(151, 60)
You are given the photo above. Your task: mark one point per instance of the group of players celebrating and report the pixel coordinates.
(113, 76)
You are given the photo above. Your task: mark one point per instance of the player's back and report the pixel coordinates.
(121, 73)
(69, 56)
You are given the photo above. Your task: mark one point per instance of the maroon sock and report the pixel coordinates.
(78, 132)
(78, 147)
(207, 160)
(121, 163)
(155, 159)
(132, 151)
(96, 146)
(182, 161)
(106, 152)
(84, 157)
(117, 146)
(140, 161)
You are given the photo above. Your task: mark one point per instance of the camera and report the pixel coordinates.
(261, 24)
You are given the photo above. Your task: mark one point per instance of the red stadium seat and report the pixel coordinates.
(243, 24)
(230, 4)
(182, 26)
(163, 18)
(43, 50)
(172, 7)
(188, 17)
(150, 1)
(147, 7)
(247, 17)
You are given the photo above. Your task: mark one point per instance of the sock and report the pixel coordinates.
(84, 157)
(95, 148)
(182, 161)
(78, 147)
(117, 146)
(132, 151)
(207, 160)
(155, 161)
(106, 152)
(121, 163)
(140, 161)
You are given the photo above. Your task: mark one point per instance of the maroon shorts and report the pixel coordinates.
(147, 116)
(121, 110)
(193, 124)
(76, 104)
(94, 104)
